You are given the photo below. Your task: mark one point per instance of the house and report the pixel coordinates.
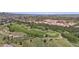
(17, 35)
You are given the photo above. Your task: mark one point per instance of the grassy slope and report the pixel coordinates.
(53, 39)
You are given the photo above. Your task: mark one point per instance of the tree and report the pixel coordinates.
(45, 41)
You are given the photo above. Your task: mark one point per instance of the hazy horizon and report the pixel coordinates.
(45, 12)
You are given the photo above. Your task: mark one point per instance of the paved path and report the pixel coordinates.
(7, 45)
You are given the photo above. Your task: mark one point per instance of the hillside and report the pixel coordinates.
(38, 31)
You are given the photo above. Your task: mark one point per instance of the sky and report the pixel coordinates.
(46, 12)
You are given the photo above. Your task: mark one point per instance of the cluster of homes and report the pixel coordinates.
(63, 23)
(5, 21)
